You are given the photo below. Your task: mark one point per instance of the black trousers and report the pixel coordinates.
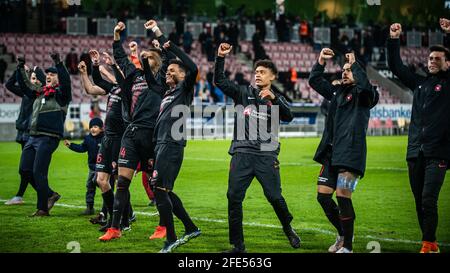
(35, 162)
(91, 187)
(426, 176)
(243, 168)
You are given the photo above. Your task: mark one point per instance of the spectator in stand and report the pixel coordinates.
(260, 52)
(303, 32)
(233, 36)
(260, 25)
(203, 90)
(219, 32)
(368, 44)
(3, 49)
(72, 61)
(174, 37)
(187, 40)
(3, 67)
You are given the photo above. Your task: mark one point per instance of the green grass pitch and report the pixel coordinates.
(383, 203)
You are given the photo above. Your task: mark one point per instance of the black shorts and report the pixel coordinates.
(137, 147)
(328, 174)
(169, 157)
(108, 155)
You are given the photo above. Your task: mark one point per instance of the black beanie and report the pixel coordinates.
(96, 121)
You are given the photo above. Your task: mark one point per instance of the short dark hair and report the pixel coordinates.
(267, 64)
(179, 63)
(440, 48)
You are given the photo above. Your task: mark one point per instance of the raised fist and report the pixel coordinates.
(395, 31)
(55, 57)
(156, 44)
(95, 56)
(82, 67)
(150, 24)
(166, 45)
(21, 62)
(350, 57)
(119, 27)
(445, 25)
(224, 49)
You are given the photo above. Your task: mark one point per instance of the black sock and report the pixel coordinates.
(126, 214)
(108, 202)
(347, 216)
(120, 200)
(130, 210)
(181, 213)
(331, 210)
(90, 206)
(164, 205)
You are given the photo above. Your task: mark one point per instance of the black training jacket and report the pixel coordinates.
(429, 130)
(347, 120)
(266, 141)
(26, 109)
(140, 102)
(181, 95)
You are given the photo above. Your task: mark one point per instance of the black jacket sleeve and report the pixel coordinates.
(119, 77)
(319, 83)
(65, 85)
(192, 70)
(12, 87)
(395, 63)
(228, 87)
(285, 111)
(364, 88)
(25, 85)
(122, 60)
(166, 56)
(150, 78)
(99, 81)
(79, 148)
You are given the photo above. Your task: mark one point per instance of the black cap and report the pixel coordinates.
(51, 70)
(96, 121)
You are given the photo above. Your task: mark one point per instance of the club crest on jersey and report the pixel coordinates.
(349, 97)
(155, 174)
(438, 88)
(247, 111)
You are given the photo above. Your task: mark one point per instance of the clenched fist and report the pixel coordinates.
(55, 57)
(224, 50)
(119, 27)
(350, 57)
(325, 55)
(150, 24)
(445, 25)
(396, 30)
(156, 44)
(95, 56)
(82, 67)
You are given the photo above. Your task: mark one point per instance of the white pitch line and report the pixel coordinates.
(255, 224)
(298, 164)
